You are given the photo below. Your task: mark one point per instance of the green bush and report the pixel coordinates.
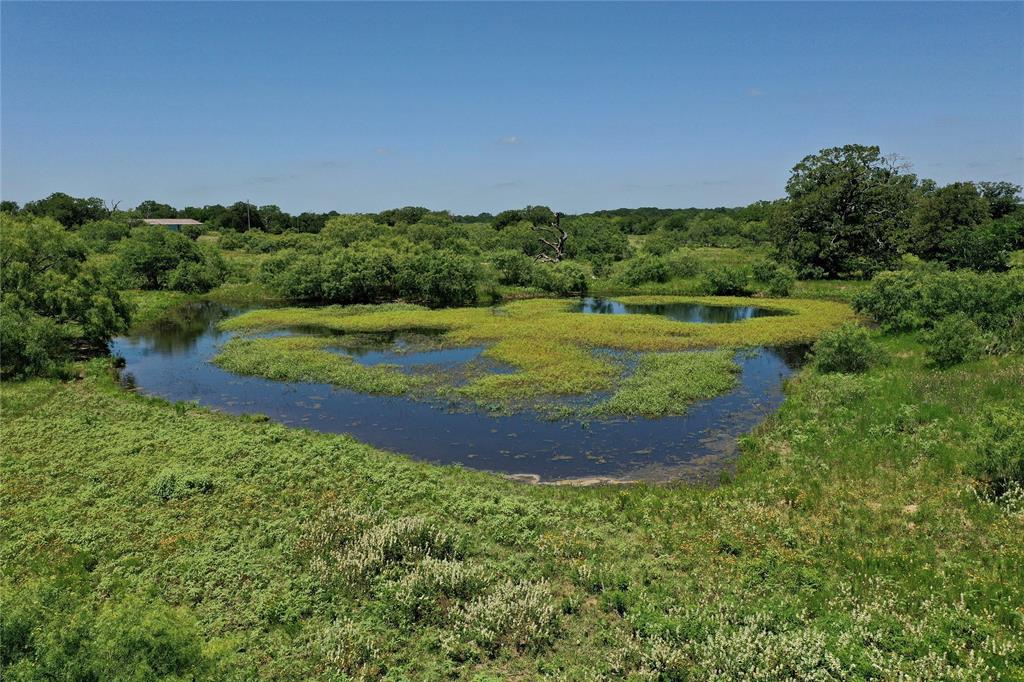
(645, 268)
(157, 258)
(101, 235)
(514, 268)
(781, 283)
(136, 640)
(52, 304)
(764, 269)
(954, 339)
(562, 279)
(49, 630)
(848, 348)
(727, 281)
(916, 299)
(438, 278)
(683, 263)
(172, 484)
(999, 466)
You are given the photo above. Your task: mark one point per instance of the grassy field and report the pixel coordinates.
(848, 545)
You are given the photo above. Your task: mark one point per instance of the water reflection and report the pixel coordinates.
(171, 360)
(680, 312)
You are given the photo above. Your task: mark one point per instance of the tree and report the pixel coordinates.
(274, 219)
(506, 218)
(938, 229)
(1003, 197)
(156, 258)
(67, 210)
(52, 302)
(553, 239)
(9, 207)
(154, 209)
(240, 217)
(848, 208)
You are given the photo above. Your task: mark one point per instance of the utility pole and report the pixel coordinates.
(248, 222)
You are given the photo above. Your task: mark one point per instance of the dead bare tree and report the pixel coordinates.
(554, 238)
(113, 207)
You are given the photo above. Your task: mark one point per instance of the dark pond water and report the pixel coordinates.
(680, 312)
(172, 361)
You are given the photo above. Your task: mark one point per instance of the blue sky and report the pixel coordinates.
(481, 107)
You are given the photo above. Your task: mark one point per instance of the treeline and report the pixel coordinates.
(849, 212)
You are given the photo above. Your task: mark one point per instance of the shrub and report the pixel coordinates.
(135, 640)
(562, 279)
(347, 547)
(845, 349)
(516, 615)
(908, 300)
(49, 630)
(347, 649)
(765, 269)
(514, 268)
(370, 273)
(362, 275)
(781, 283)
(424, 594)
(999, 466)
(52, 302)
(645, 268)
(954, 339)
(101, 235)
(157, 258)
(727, 281)
(683, 263)
(196, 278)
(439, 279)
(172, 484)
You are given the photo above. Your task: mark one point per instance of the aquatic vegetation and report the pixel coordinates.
(551, 347)
(665, 383)
(307, 358)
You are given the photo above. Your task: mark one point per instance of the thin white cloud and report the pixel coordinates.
(755, 92)
(511, 139)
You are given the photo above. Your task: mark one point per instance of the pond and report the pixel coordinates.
(680, 312)
(172, 360)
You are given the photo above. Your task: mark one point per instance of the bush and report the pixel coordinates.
(514, 268)
(157, 258)
(999, 467)
(32, 345)
(683, 263)
(519, 616)
(173, 484)
(423, 594)
(369, 273)
(52, 302)
(50, 631)
(781, 283)
(196, 278)
(645, 268)
(727, 281)
(562, 279)
(101, 235)
(439, 279)
(845, 349)
(954, 339)
(135, 640)
(917, 299)
(765, 269)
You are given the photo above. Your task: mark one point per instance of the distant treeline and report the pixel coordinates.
(849, 212)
